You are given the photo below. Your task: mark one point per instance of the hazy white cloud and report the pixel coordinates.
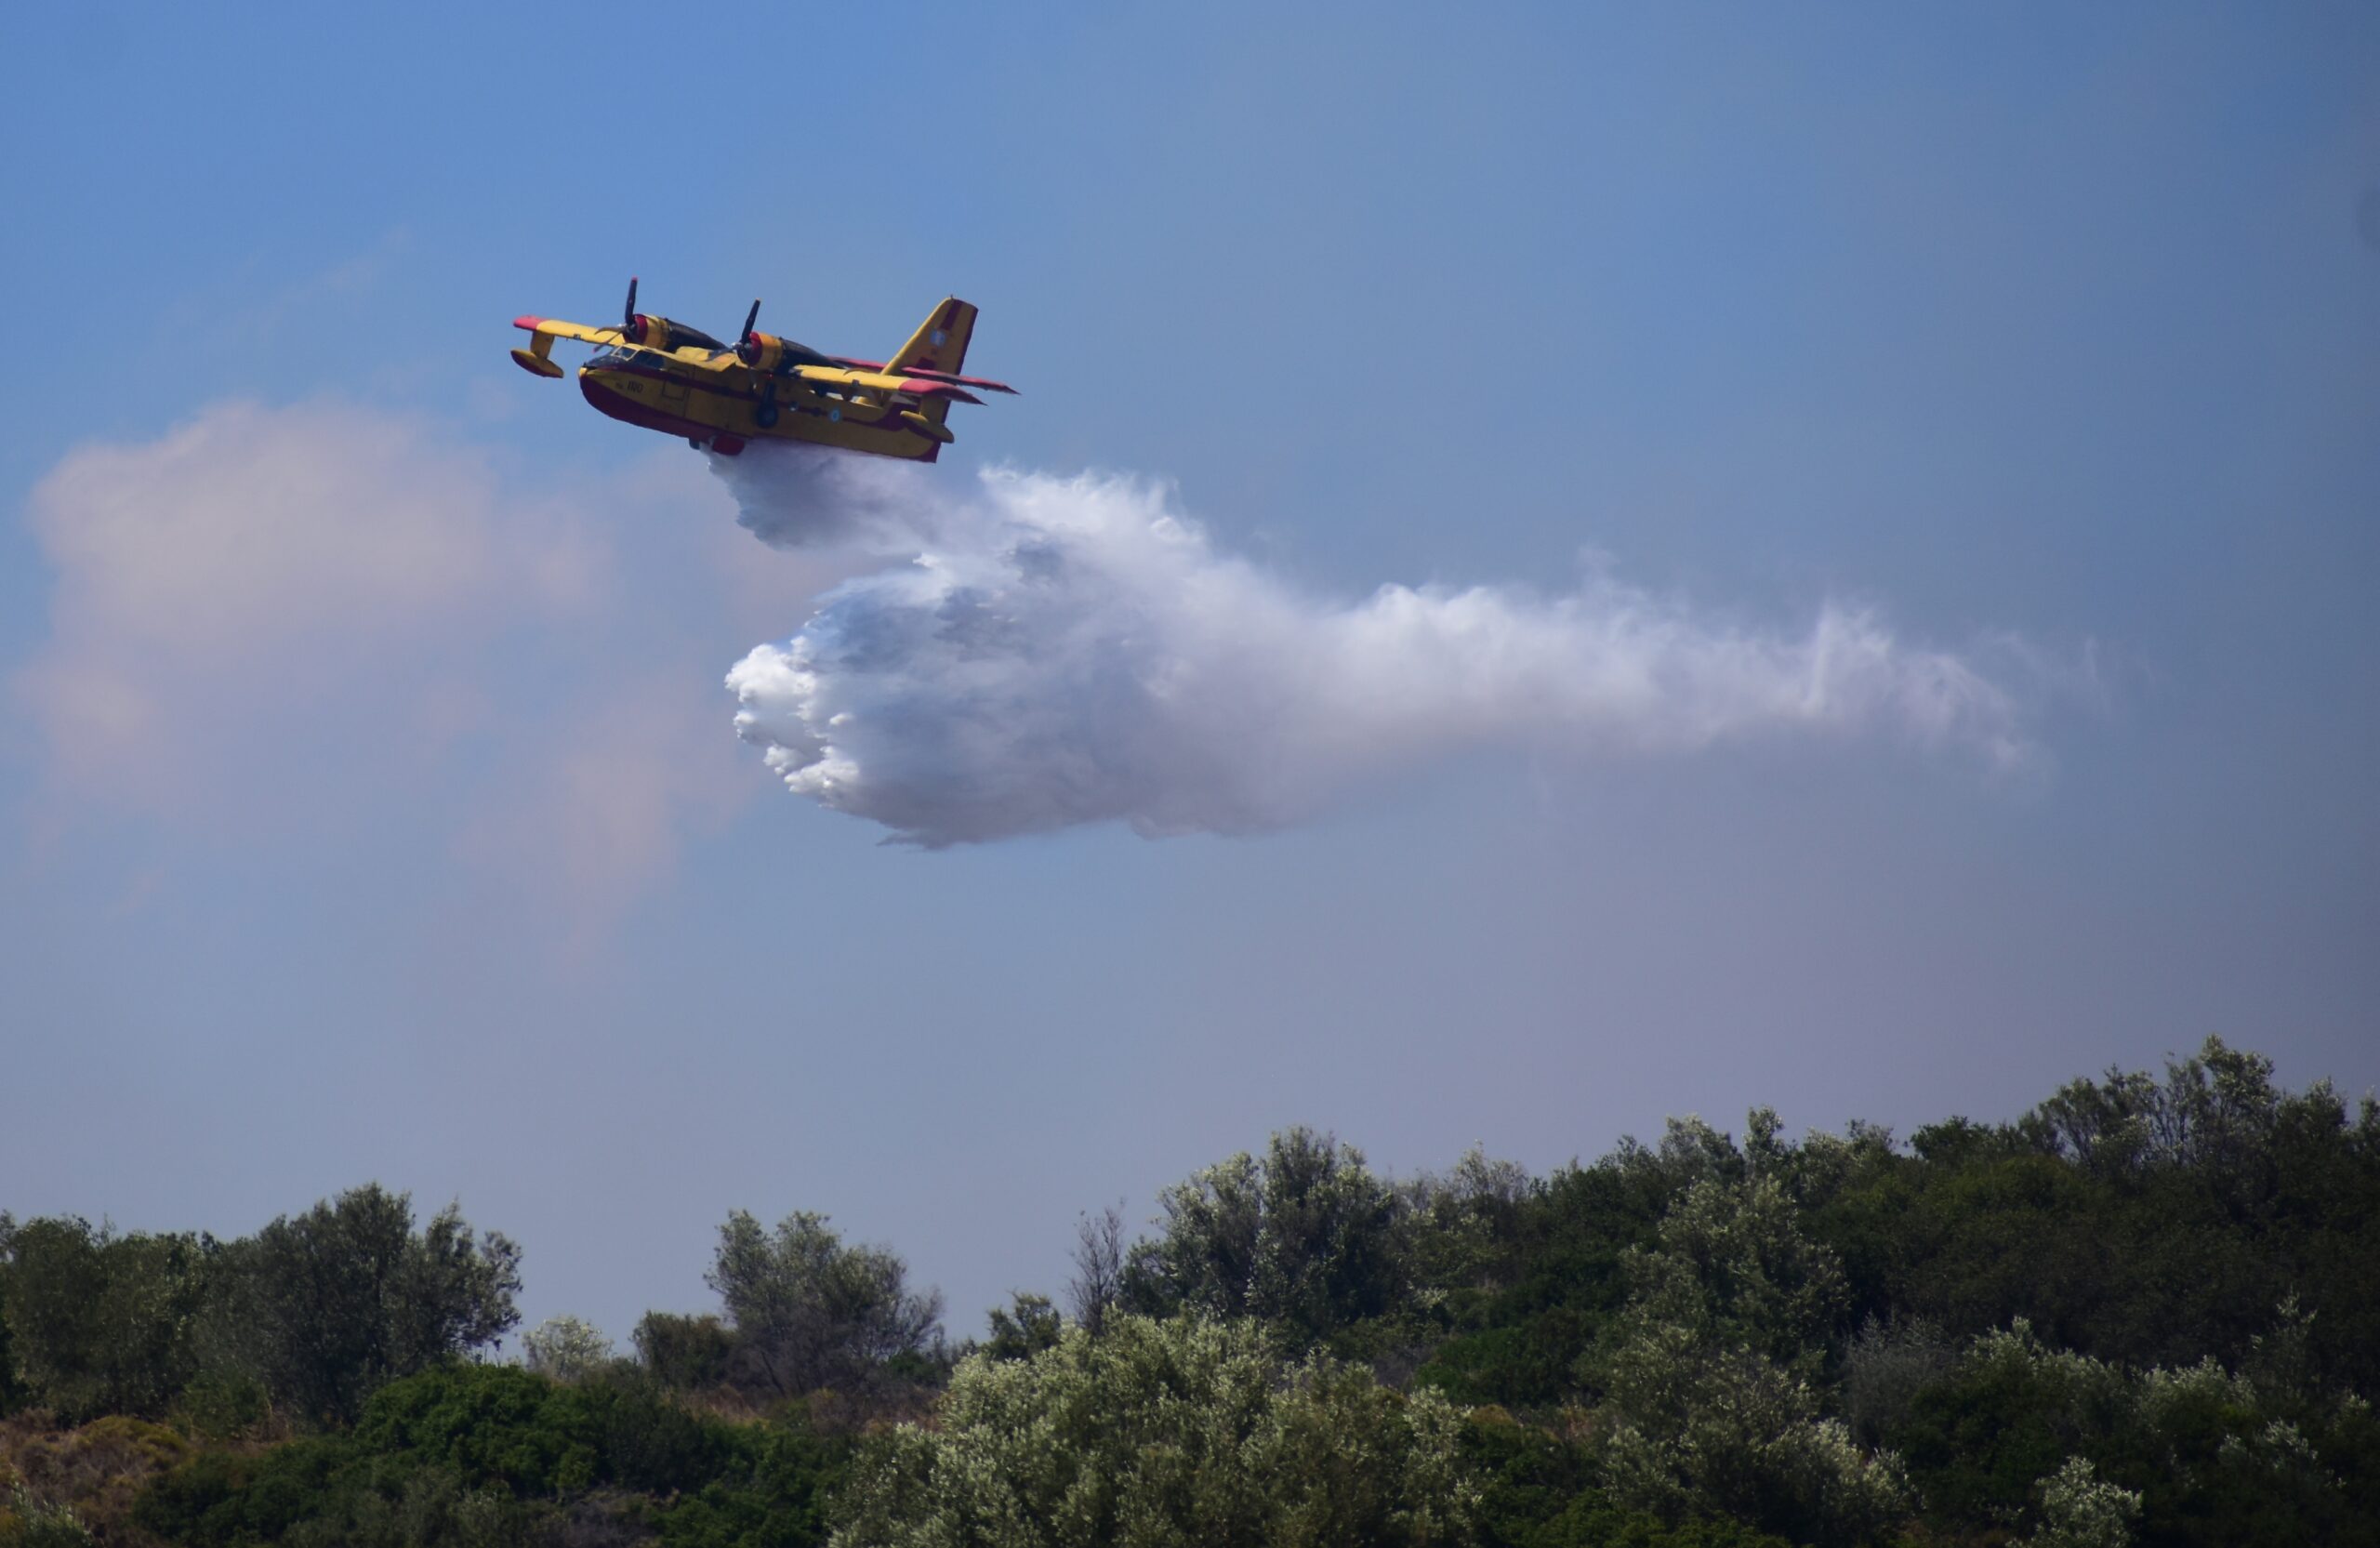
(255, 560)
(271, 606)
(1071, 651)
(269, 617)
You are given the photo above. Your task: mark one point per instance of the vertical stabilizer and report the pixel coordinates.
(940, 343)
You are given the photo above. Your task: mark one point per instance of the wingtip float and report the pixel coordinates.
(664, 375)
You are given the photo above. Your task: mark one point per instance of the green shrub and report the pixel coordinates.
(1163, 1433)
(1538, 1491)
(30, 1523)
(688, 1354)
(2199, 1450)
(496, 1453)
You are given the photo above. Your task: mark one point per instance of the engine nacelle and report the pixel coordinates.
(766, 351)
(761, 351)
(661, 333)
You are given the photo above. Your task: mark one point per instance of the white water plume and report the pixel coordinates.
(1073, 650)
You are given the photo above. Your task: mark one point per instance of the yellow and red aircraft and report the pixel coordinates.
(668, 376)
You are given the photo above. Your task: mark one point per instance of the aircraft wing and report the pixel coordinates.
(879, 381)
(725, 363)
(952, 377)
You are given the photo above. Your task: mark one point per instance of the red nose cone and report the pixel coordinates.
(639, 326)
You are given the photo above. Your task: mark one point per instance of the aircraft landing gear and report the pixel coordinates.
(764, 413)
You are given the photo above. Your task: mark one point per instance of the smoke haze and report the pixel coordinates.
(1063, 651)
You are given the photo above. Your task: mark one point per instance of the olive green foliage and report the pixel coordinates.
(2080, 1511)
(810, 1312)
(1547, 1271)
(684, 1353)
(1460, 1229)
(1023, 1328)
(101, 1322)
(1709, 1375)
(2206, 1455)
(331, 1303)
(1185, 1431)
(1885, 1368)
(1306, 1239)
(496, 1454)
(29, 1522)
(14, 1394)
(2143, 1221)
(311, 1313)
(1539, 1488)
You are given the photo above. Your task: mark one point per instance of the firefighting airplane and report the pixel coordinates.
(666, 376)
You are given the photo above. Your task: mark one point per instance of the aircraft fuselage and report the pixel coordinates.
(655, 391)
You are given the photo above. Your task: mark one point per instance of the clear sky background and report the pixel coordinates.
(368, 803)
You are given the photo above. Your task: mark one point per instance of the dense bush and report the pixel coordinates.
(28, 1521)
(1520, 1329)
(82, 1479)
(1023, 1328)
(2145, 1222)
(1542, 1489)
(566, 1348)
(1175, 1432)
(2210, 1456)
(684, 1353)
(1306, 1240)
(467, 1452)
(1708, 1376)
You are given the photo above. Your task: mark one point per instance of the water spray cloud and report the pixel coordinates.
(1072, 651)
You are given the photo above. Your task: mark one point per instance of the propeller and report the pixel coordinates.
(747, 348)
(660, 333)
(783, 354)
(633, 326)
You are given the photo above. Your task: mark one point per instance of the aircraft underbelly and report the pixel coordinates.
(673, 408)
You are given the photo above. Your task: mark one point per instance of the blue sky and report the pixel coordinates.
(2047, 333)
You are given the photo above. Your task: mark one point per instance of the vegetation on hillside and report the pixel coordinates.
(2141, 1313)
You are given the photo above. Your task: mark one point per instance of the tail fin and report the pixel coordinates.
(940, 343)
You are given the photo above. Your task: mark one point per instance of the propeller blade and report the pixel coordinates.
(749, 318)
(627, 319)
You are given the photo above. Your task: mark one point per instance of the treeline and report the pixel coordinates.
(2144, 1312)
(309, 1316)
